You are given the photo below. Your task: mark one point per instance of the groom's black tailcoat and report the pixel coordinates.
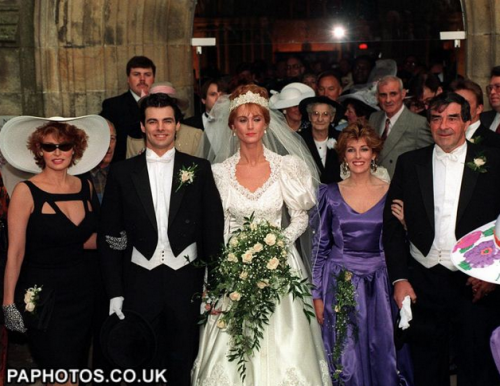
(162, 295)
(443, 313)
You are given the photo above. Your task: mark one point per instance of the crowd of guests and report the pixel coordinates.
(363, 166)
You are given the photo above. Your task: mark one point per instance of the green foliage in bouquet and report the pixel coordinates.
(345, 307)
(251, 276)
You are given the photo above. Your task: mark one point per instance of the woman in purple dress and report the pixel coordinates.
(352, 293)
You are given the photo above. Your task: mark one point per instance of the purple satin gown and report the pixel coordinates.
(353, 240)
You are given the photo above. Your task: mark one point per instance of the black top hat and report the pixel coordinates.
(339, 109)
(128, 343)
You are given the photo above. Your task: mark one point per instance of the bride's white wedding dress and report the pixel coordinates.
(291, 352)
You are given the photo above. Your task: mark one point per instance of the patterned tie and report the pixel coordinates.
(386, 129)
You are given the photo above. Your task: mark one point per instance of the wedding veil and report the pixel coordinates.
(219, 144)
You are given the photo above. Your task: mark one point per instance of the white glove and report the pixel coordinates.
(115, 307)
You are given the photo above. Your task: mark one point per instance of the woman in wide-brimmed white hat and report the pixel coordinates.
(288, 101)
(48, 285)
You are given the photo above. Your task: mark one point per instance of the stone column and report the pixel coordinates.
(482, 21)
(18, 89)
(79, 50)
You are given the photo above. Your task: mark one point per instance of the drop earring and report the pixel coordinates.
(373, 166)
(345, 167)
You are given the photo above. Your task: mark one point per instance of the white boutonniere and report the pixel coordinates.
(330, 144)
(477, 140)
(31, 298)
(478, 164)
(187, 175)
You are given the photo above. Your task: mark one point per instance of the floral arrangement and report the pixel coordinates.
(478, 163)
(186, 176)
(481, 255)
(477, 139)
(345, 307)
(330, 143)
(31, 298)
(252, 275)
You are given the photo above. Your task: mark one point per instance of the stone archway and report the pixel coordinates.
(482, 21)
(63, 57)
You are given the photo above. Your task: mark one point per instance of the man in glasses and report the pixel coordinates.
(476, 132)
(491, 119)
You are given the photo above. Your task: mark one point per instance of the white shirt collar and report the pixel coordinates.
(495, 123)
(459, 152)
(469, 133)
(136, 97)
(395, 117)
(150, 154)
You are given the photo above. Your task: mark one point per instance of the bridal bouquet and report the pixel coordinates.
(252, 275)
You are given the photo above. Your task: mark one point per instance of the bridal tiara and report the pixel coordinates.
(249, 97)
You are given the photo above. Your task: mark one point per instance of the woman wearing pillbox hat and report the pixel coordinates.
(48, 286)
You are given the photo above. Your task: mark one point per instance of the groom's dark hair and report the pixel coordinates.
(159, 100)
(440, 102)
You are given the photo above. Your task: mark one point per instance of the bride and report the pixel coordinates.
(254, 179)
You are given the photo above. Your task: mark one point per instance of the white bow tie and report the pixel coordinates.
(165, 159)
(447, 156)
(442, 156)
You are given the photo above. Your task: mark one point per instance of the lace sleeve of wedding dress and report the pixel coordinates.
(298, 193)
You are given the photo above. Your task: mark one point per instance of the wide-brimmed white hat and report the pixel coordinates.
(366, 96)
(383, 67)
(15, 133)
(477, 254)
(291, 95)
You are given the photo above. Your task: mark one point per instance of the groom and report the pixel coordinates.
(444, 199)
(161, 211)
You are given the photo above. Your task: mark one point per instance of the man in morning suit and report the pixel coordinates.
(154, 225)
(444, 199)
(476, 132)
(491, 119)
(400, 129)
(123, 110)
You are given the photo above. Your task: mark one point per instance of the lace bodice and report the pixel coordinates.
(289, 184)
